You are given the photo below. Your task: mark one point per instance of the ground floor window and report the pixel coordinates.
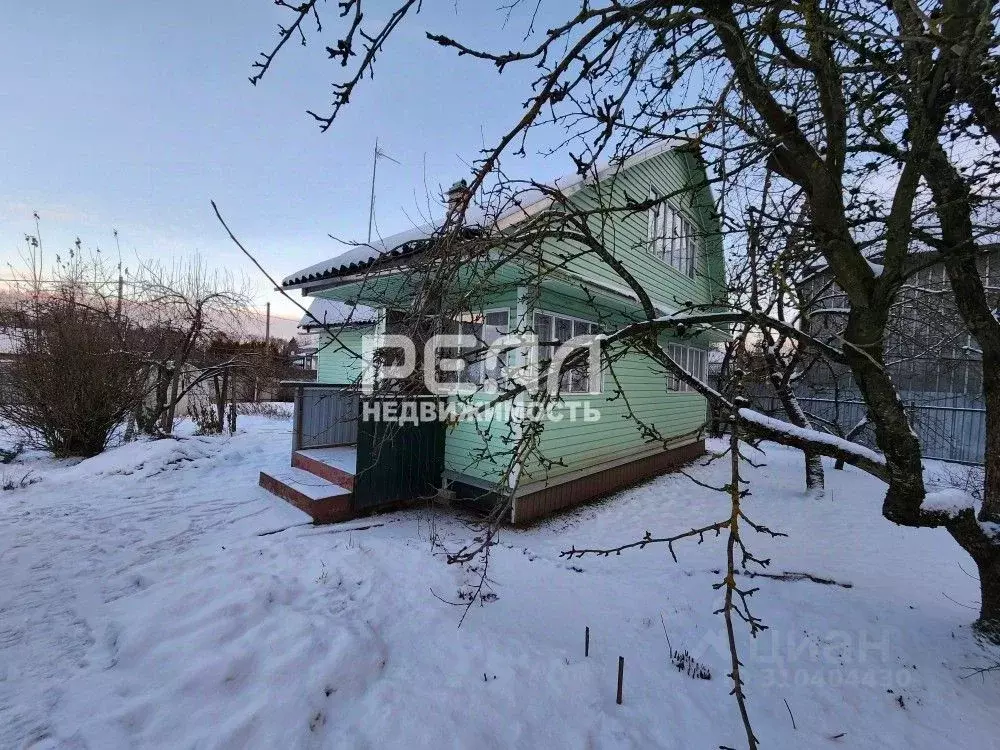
(693, 360)
(485, 328)
(552, 331)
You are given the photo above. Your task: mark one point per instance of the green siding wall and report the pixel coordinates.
(578, 444)
(340, 362)
(615, 436)
(668, 173)
(466, 443)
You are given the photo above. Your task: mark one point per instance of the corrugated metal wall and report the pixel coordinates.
(324, 416)
(948, 433)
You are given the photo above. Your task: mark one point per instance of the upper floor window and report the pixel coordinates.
(672, 238)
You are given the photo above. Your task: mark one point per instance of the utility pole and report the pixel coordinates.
(41, 252)
(121, 280)
(267, 324)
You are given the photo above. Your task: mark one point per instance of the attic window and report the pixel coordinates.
(672, 238)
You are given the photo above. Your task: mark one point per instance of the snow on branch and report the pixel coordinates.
(949, 502)
(836, 447)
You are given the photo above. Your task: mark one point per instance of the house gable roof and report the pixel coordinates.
(413, 241)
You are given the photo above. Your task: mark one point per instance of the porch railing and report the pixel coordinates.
(326, 414)
(395, 462)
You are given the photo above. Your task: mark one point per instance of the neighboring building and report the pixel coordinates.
(676, 250)
(933, 361)
(305, 359)
(8, 351)
(7, 347)
(334, 364)
(929, 352)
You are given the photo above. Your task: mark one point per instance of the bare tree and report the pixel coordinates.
(185, 306)
(763, 278)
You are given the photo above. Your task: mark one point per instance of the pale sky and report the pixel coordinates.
(135, 115)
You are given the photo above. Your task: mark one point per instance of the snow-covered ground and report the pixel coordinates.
(144, 603)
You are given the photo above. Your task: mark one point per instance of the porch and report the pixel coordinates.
(343, 466)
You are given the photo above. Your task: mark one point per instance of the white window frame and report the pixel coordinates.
(572, 382)
(474, 373)
(694, 361)
(672, 236)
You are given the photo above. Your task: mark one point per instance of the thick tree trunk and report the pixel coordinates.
(986, 552)
(982, 546)
(990, 511)
(989, 584)
(864, 351)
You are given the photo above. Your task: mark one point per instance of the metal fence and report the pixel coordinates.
(948, 433)
(325, 415)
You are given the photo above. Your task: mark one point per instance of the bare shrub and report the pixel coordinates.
(205, 416)
(9, 455)
(74, 377)
(8, 482)
(268, 409)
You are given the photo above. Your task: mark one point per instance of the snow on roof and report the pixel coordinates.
(7, 345)
(334, 312)
(528, 202)
(359, 256)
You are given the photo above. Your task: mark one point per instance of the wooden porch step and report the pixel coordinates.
(335, 465)
(324, 501)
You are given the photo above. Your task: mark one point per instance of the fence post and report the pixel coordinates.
(621, 674)
(297, 418)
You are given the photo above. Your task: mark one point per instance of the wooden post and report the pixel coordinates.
(232, 404)
(586, 642)
(621, 673)
(297, 418)
(221, 390)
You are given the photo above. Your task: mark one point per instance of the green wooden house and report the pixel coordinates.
(675, 250)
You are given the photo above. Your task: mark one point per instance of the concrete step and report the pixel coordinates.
(332, 464)
(324, 501)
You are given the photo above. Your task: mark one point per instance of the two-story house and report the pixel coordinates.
(340, 468)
